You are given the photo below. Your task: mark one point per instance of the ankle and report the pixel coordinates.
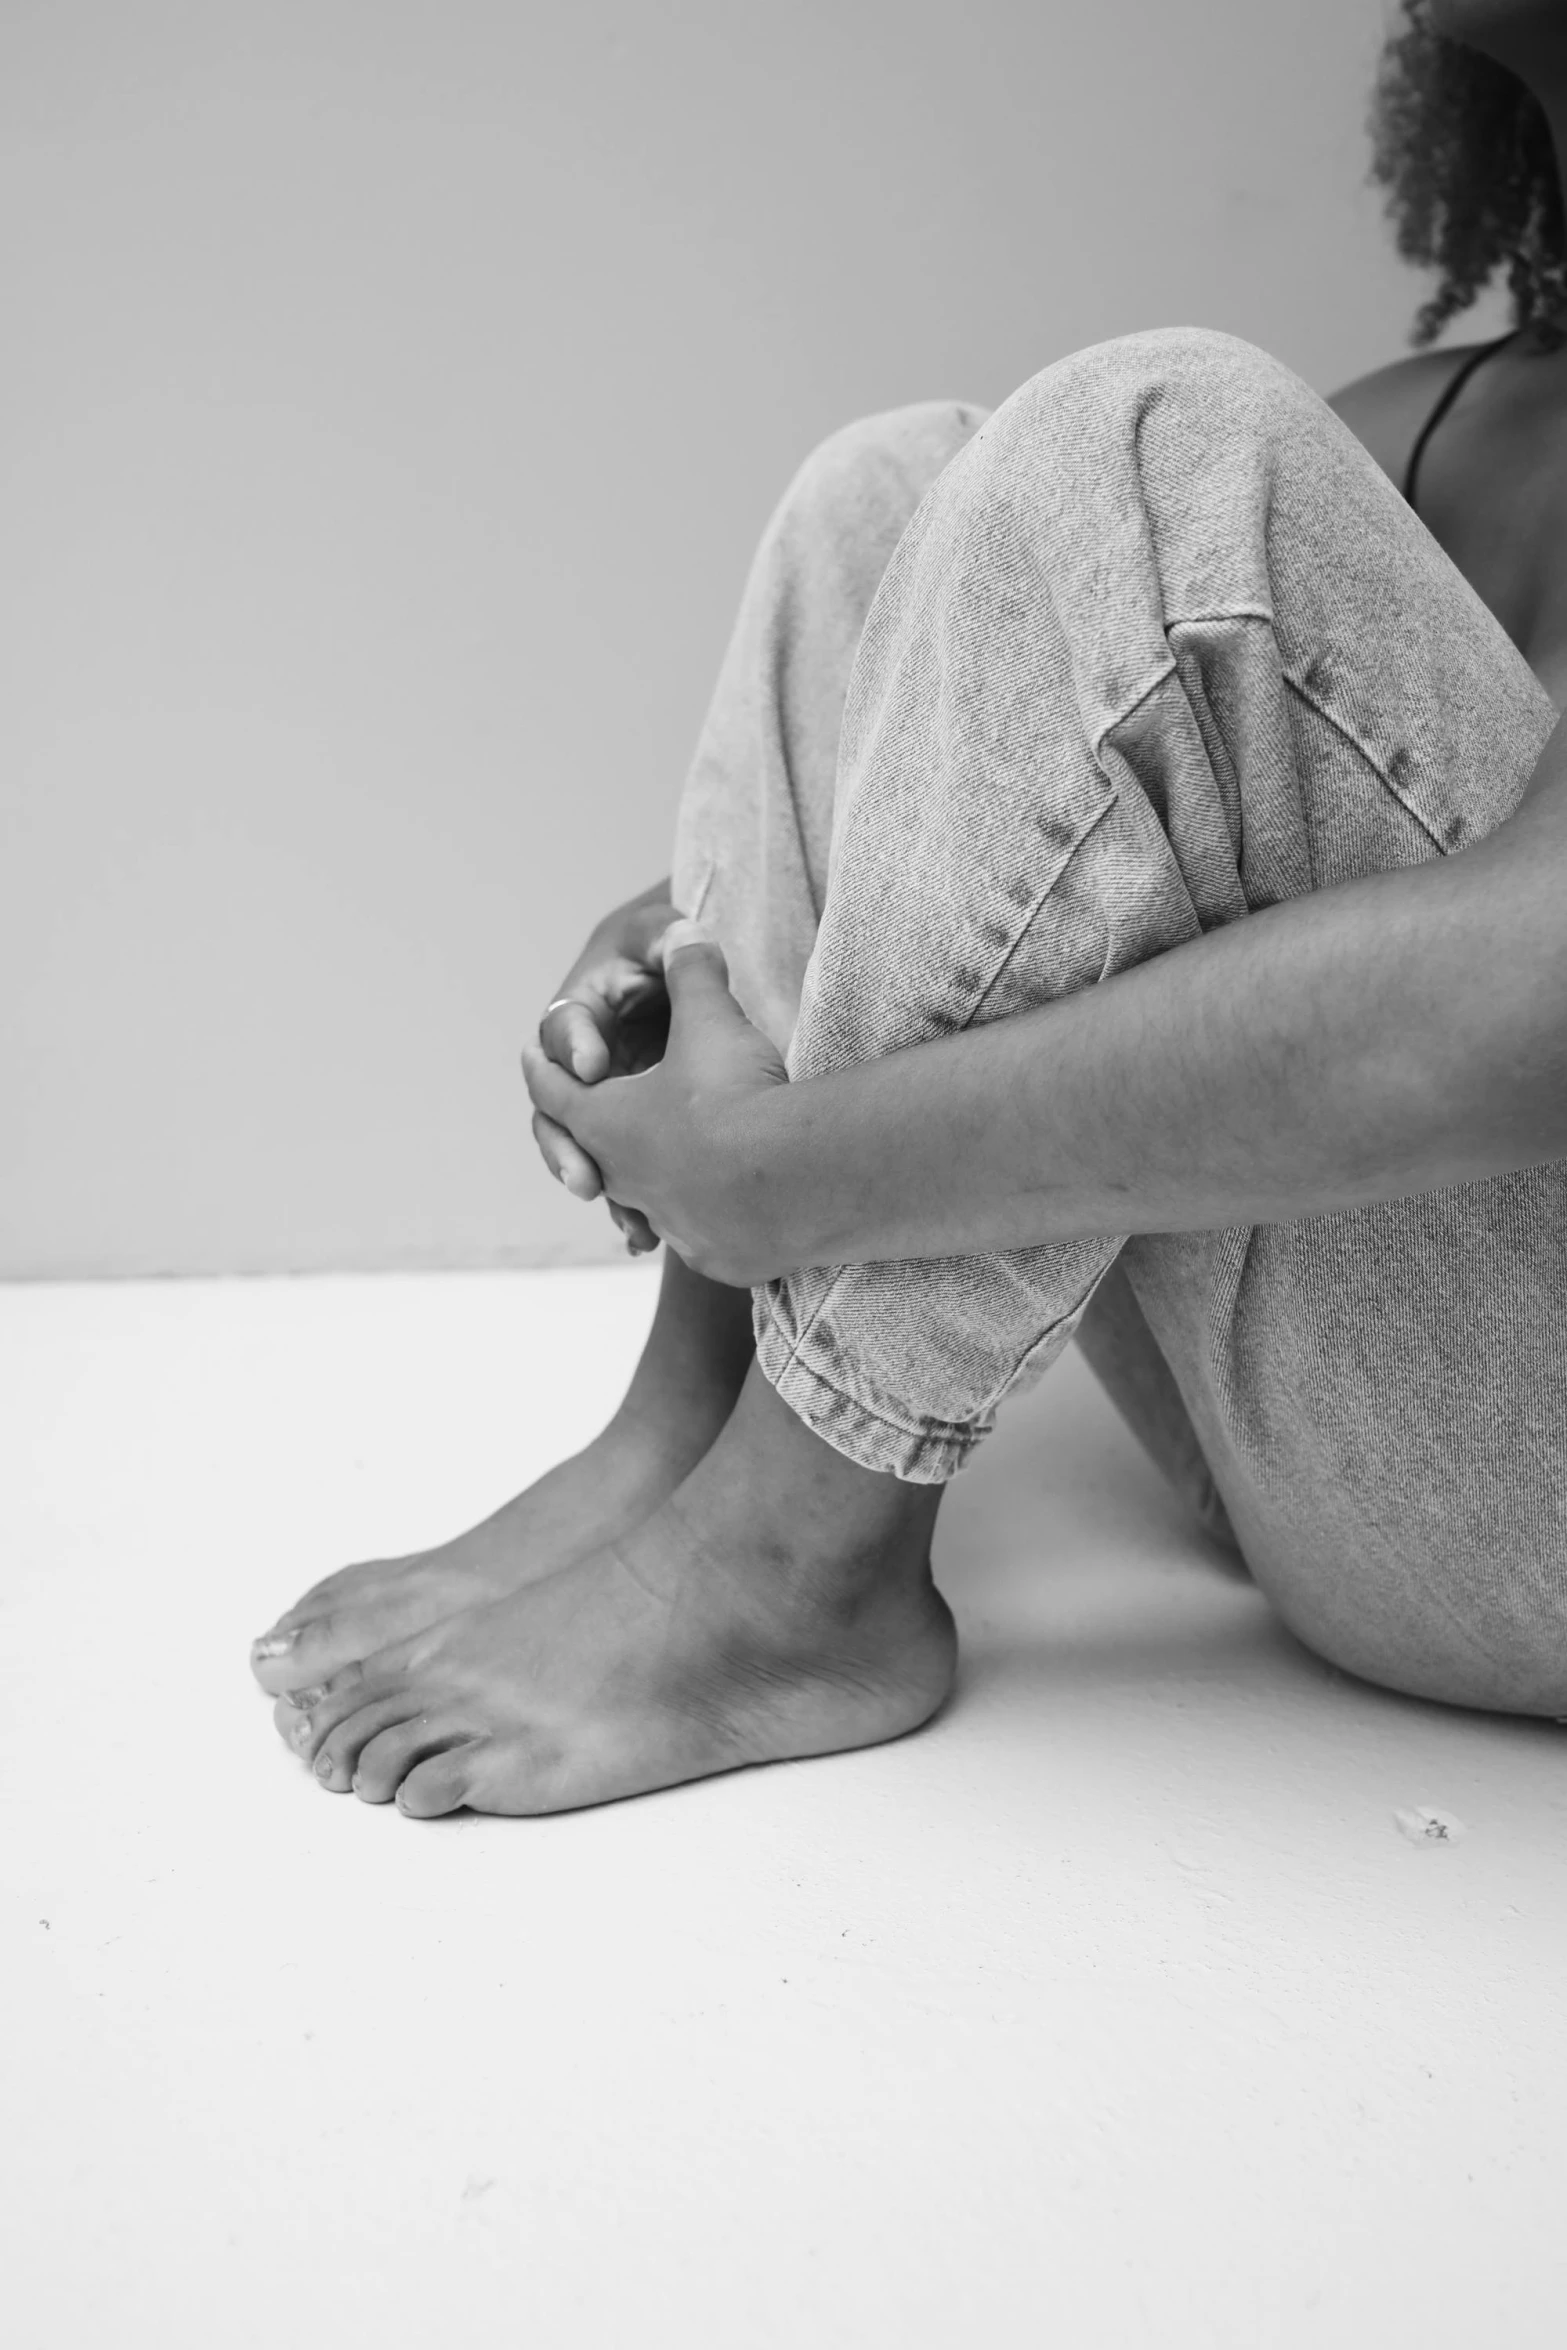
(695, 1361)
(825, 1520)
(678, 1401)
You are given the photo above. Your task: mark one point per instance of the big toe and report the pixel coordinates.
(300, 1653)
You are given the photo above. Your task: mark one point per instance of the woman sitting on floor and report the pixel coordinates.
(1143, 835)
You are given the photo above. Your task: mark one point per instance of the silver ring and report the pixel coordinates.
(556, 1005)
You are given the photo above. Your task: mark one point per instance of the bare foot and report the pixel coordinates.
(780, 1603)
(684, 1390)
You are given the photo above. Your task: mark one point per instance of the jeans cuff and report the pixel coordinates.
(922, 1452)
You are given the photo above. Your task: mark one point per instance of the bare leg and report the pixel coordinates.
(683, 1390)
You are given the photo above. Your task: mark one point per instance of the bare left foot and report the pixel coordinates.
(780, 1603)
(684, 1389)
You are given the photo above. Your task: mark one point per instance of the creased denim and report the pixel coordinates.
(1151, 647)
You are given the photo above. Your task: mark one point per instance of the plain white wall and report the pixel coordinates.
(393, 394)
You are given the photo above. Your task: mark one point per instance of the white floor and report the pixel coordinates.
(1117, 2007)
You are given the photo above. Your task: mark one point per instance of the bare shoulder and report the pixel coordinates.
(1386, 409)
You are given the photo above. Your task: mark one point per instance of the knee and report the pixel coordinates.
(1172, 403)
(1198, 362)
(870, 475)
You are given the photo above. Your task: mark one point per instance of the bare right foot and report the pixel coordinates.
(683, 1392)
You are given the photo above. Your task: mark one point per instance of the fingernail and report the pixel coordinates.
(579, 1066)
(274, 1644)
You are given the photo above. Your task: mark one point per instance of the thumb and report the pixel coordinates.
(695, 973)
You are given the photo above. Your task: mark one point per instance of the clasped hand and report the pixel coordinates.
(674, 1144)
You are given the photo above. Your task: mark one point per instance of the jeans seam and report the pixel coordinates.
(815, 1315)
(1134, 702)
(1035, 910)
(1166, 670)
(1228, 612)
(693, 912)
(930, 1432)
(998, 1394)
(1347, 734)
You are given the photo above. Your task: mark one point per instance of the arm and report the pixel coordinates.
(1321, 1054)
(1389, 1036)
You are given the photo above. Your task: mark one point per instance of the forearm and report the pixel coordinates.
(1387, 1037)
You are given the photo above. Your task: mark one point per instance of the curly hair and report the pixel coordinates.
(1465, 154)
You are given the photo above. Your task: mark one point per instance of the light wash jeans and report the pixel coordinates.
(1014, 702)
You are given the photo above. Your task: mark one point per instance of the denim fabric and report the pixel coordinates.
(1115, 1340)
(1157, 646)
(755, 825)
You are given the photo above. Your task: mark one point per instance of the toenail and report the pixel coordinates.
(324, 1766)
(306, 1698)
(301, 1733)
(275, 1644)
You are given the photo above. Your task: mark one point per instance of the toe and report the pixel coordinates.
(344, 1587)
(440, 1785)
(391, 1754)
(271, 1656)
(519, 1777)
(344, 1583)
(304, 1717)
(320, 1647)
(337, 1754)
(291, 1718)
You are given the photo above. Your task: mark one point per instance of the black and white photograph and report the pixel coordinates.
(783, 1174)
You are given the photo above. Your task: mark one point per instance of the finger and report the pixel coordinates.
(696, 974)
(554, 1090)
(565, 1159)
(634, 1228)
(572, 1033)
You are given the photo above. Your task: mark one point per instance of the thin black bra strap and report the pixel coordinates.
(1450, 391)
